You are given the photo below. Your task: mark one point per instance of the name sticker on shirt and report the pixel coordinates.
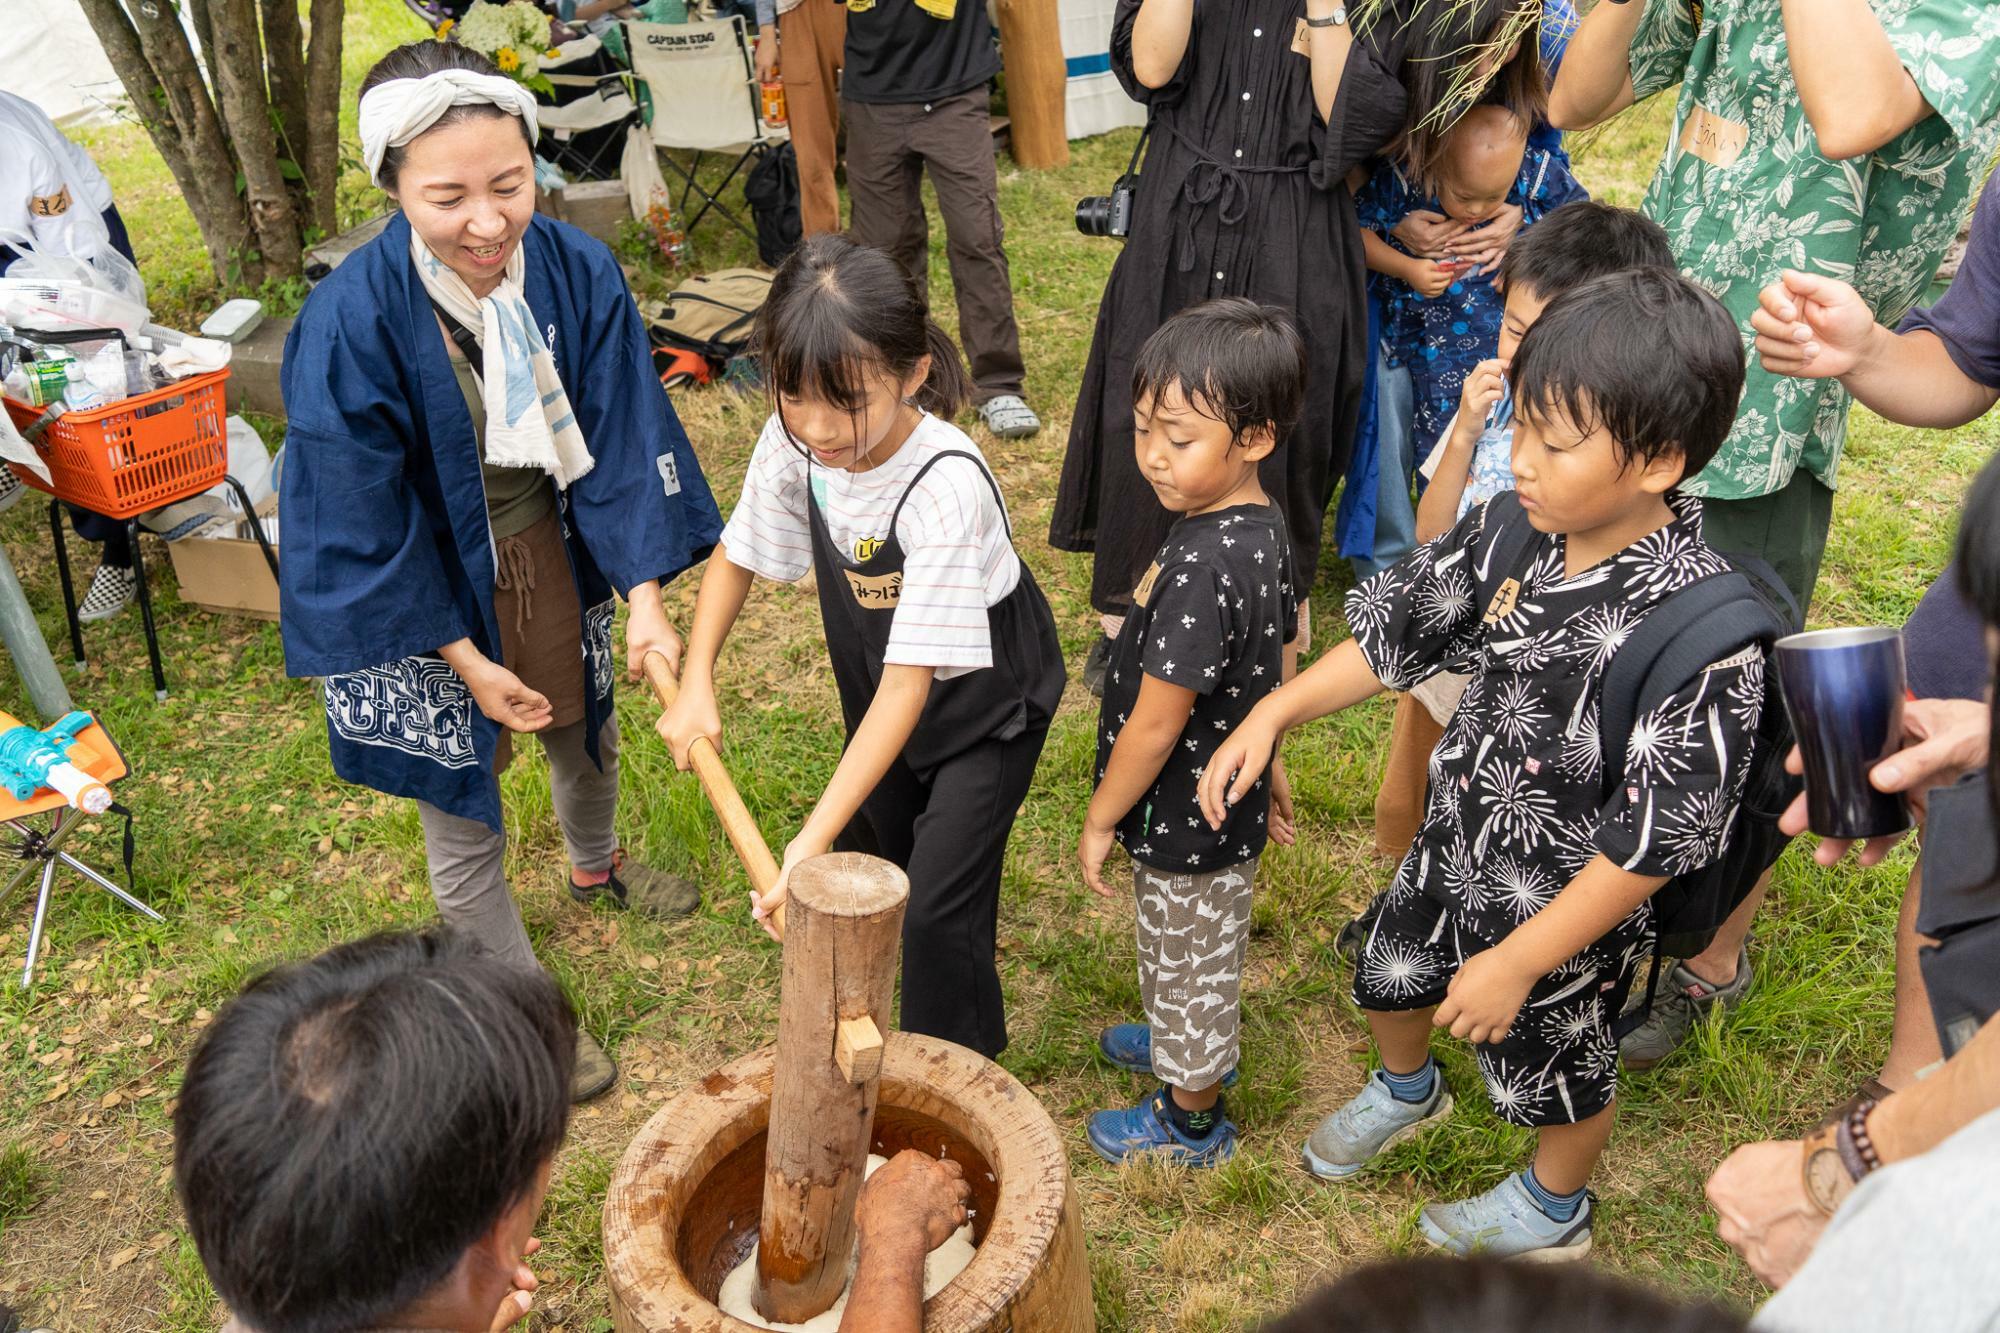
(49, 205)
(1504, 601)
(1302, 40)
(1713, 138)
(1144, 592)
(876, 592)
(670, 474)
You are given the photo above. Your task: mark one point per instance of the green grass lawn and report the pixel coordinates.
(255, 852)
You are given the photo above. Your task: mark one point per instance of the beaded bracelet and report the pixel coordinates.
(1857, 1149)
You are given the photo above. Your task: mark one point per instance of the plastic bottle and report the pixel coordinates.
(774, 100)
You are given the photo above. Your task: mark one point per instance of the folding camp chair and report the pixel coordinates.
(701, 79)
(585, 120)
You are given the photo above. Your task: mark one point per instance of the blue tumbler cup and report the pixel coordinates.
(1844, 691)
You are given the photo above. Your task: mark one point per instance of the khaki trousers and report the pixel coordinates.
(812, 40)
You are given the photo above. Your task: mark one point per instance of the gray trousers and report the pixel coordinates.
(1192, 932)
(468, 860)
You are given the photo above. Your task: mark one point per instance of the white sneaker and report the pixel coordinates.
(111, 591)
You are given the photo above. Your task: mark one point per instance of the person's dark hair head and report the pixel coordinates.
(1581, 241)
(1643, 354)
(350, 1125)
(418, 60)
(1448, 68)
(1978, 560)
(1440, 1295)
(1238, 362)
(838, 312)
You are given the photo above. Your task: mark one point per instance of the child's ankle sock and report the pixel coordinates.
(1414, 1088)
(1194, 1124)
(1558, 1207)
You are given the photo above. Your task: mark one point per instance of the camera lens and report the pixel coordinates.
(1093, 215)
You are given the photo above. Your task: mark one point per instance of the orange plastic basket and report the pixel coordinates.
(135, 454)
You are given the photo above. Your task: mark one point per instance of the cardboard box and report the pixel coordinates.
(223, 570)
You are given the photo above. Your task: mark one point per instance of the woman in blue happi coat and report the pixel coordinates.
(479, 457)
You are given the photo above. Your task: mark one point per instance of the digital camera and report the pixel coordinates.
(1109, 214)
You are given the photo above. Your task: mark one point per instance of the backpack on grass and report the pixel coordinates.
(705, 323)
(1708, 621)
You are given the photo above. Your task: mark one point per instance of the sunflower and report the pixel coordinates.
(506, 60)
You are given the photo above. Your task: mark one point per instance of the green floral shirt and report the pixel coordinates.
(1743, 193)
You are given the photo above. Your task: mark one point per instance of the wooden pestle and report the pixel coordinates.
(757, 860)
(839, 980)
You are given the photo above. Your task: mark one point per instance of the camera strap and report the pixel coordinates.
(1139, 149)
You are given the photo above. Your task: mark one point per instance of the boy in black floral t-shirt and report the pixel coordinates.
(1210, 633)
(1521, 913)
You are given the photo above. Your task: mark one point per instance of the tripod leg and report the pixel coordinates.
(109, 885)
(41, 918)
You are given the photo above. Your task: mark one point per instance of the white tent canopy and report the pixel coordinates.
(53, 58)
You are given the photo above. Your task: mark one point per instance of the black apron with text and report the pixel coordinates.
(857, 603)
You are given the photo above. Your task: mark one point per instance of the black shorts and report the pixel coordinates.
(1559, 1064)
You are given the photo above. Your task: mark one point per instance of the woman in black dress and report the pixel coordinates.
(1244, 192)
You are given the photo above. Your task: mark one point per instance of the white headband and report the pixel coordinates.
(394, 113)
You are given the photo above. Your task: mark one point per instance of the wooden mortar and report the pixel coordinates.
(683, 1205)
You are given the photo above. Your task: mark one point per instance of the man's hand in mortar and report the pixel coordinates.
(906, 1210)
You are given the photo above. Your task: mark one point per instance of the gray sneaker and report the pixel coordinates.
(1009, 417)
(1505, 1223)
(1683, 999)
(1369, 1126)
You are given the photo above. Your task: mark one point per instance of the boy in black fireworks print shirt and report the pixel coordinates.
(1520, 915)
(1212, 630)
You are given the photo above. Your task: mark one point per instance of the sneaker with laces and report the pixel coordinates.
(111, 590)
(1119, 1136)
(1130, 1047)
(1369, 1125)
(1009, 417)
(1683, 999)
(1505, 1224)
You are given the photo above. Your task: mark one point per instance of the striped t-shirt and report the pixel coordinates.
(957, 558)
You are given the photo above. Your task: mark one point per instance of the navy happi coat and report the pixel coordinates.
(387, 553)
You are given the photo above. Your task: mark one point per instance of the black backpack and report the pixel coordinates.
(1709, 620)
(772, 191)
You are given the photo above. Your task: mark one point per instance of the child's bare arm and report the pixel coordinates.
(1145, 739)
(1338, 680)
(1438, 510)
(1489, 989)
(1382, 257)
(885, 729)
(724, 586)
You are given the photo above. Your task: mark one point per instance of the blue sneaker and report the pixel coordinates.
(1505, 1223)
(1130, 1047)
(1119, 1136)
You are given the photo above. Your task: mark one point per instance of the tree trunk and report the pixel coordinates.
(322, 160)
(239, 83)
(154, 63)
(285, 63)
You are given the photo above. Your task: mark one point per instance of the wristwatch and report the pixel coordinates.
(1827, 1179)
(1337, 19)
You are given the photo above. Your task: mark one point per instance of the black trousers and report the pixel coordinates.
(949, 834)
